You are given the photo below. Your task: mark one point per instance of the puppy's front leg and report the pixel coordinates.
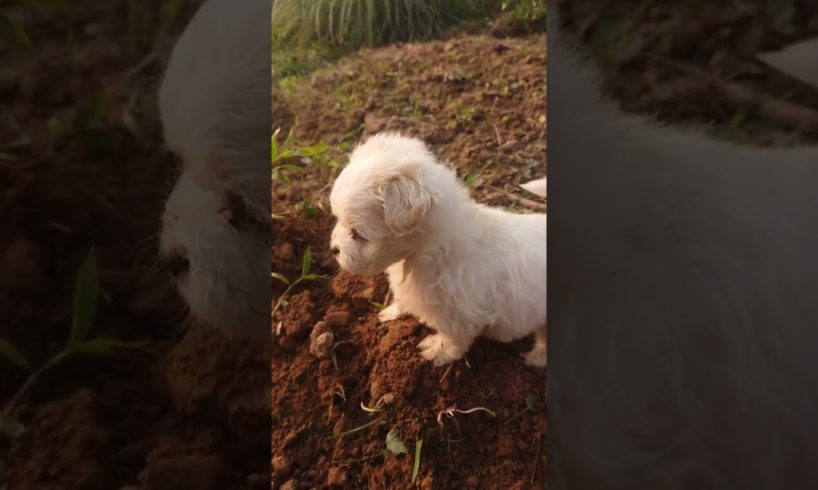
(537, 357)
(391, 312)
(443, 348)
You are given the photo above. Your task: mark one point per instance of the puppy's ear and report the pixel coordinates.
(236, 213)
(405, 202)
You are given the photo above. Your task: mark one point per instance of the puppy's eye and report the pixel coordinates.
(357, 236)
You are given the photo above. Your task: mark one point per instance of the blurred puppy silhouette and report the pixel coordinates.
(683, 279)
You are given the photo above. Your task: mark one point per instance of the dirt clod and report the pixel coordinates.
(321, 340)
(290, 485)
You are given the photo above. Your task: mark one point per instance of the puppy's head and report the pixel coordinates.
(381, 200)
(219, 257)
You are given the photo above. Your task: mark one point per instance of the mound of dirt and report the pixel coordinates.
(480, 103)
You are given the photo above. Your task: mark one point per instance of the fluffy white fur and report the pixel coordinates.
(462, 268)
(227, 283)
(214, 106)
(684, 343)
(538, 187)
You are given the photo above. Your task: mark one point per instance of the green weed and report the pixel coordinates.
(84, 313)
(287, 157)
(306, 265)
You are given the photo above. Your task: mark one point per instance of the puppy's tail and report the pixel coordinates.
(799, 60)
(537, 187)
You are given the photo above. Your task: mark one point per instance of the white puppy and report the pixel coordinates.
(214, 103)
(462, 268)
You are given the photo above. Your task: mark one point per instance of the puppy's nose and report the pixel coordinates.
(335, 250)
(176, 264)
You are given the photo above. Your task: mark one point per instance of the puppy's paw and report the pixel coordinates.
(537, 357)
(391, 312)
(441, 350)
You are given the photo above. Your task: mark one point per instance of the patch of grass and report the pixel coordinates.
(15, 33)
(529, 11)
(86, 122)
(84, 313)
(356, 23)
(473, 179)
(308, 208)
(286, 156)
(297, 60)
(289, 84)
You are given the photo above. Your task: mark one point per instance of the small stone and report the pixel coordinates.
(321, 340)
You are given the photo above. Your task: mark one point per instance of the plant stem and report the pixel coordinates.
(357, 429)
(34, 376)
(361, 460)
(285, 293)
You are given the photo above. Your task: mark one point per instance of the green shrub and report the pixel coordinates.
(355, 23)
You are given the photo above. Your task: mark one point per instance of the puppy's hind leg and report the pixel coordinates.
(391, 312)
(538, 354)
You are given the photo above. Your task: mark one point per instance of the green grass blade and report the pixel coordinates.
(281, 277)
(13, 354)
(416, 464)
(15, 34)
(313, 277)
(102, 346)
(86, 297)
(306, 262)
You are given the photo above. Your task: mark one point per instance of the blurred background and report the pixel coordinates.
(99, 386)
